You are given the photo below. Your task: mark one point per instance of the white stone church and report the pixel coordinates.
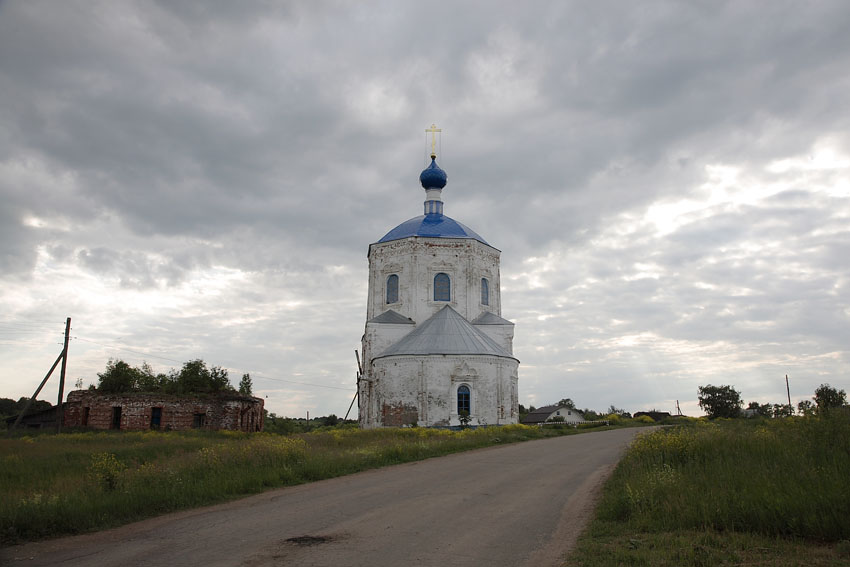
(436, 347)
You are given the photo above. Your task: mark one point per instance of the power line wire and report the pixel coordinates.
(19, 325)
(12, 342)
(302, 383)
(129, 350)
(260, 376)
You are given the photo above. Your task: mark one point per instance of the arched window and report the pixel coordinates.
(463, 400)
(392, 289)
(485, 292)
(442, 287)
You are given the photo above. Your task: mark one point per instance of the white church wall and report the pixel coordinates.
(502, 334)
(379, 336)
(417, 260)
(423, 390)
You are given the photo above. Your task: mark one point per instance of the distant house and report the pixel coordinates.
(553, 414)
(136, 411)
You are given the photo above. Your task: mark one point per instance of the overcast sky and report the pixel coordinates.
(669, 184)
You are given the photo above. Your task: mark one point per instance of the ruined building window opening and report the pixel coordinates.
(85, 421)
(485, 292)
(442, 287)
(199, 420)
(392, 289)
(116, 418)
(156, 417)
(463, 404)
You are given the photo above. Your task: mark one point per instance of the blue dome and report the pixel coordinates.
(433, 226)
(432, 177)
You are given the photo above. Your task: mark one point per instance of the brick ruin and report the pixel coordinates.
(137, 411)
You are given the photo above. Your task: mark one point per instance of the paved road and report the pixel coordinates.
(521, 504)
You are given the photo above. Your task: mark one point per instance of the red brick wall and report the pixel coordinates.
(225, 411)
(395, 415)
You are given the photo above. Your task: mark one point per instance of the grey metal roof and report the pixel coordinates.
(446, 332)
(390, 316)
(488, 318)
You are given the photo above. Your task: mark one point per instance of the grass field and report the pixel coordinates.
(54, 485)
(739, 492)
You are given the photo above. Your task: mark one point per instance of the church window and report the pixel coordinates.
(392, 289)
(442, 287)
(485, 292)
(463, 404)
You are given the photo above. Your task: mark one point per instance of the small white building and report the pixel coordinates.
(435, 346)
(555, 414)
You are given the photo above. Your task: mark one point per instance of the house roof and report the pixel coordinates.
(393, 317)
(446, 332)
(541, 414)
(488, 318)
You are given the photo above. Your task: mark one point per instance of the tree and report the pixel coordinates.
(331, 420)
(148, 380)
(783, 410)
(567, 403)
(806, 407)
(764, 410)
(118, 377)
(617, 411)
(246, 385)
(827, 397)
(590, 415)
(281, 425)
(720, 401)
(9, 407)
(195, 377)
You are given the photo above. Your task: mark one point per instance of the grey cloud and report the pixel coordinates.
(165, 142)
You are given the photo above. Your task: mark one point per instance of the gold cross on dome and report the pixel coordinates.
(433, 130)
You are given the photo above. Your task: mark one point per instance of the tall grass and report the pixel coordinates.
(780, 477)
(76, 482)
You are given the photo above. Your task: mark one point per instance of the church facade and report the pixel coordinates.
(436, 350)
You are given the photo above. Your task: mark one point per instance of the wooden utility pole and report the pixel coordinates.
(37, 390)
(359, 373)
(788, 390)
(63, 357)
(59, 412)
